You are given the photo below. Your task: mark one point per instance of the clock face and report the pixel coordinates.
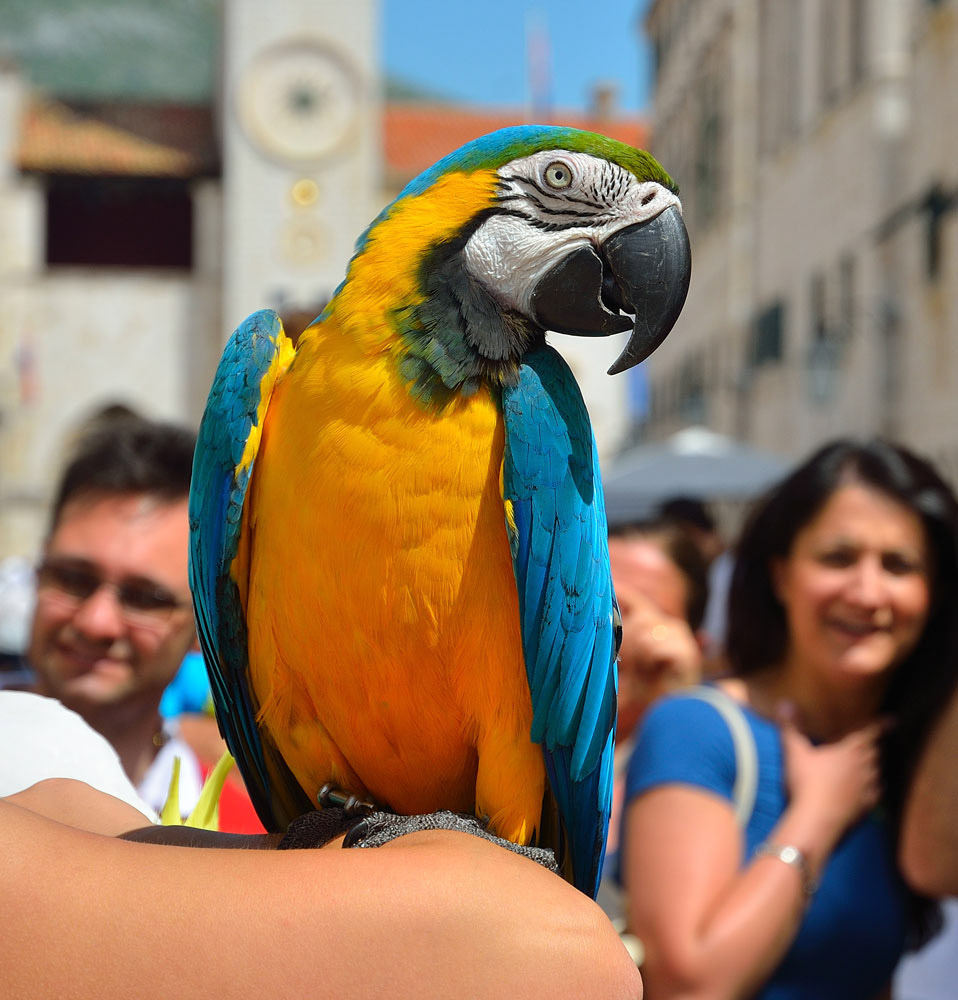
(298, 102)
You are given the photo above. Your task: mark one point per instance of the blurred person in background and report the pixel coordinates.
(16, 613)
(843, 641)
(694, 516)
(661, 588)
(113, 619)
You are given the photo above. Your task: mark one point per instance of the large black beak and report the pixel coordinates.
(642, 271)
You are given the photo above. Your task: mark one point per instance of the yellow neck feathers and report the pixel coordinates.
(397, 244)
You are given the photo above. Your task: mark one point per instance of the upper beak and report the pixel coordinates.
(637, 279)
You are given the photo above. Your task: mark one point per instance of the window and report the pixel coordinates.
(118, 222)
(817, 308)
(858, 40)
(708, 147)
(823, 353)
(691, 392)
(846, 296)
(780, 41)
(768, 336)
(829, 70)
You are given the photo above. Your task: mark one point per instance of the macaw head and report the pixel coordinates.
(529, 229)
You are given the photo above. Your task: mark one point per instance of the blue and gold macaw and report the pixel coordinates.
(398, 549)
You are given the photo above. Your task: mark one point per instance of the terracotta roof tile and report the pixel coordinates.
(168, 140)
(416, 134)
(154, 140)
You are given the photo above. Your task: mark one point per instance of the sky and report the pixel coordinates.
(476, 52)
(460, 50)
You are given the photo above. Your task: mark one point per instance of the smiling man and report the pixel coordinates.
(113, 616)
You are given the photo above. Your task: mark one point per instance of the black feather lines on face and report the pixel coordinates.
(459, 336)
(588, 204)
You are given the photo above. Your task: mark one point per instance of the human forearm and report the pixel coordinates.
(447, 916)
(757, 919)
(830, 787)
(712, 929)
(738, 948)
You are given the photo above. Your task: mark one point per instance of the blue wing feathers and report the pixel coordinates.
(560, 557)
(217, 495)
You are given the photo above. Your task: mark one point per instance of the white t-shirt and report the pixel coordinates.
(42, 738)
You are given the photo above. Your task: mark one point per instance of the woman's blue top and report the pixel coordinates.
(853, 932)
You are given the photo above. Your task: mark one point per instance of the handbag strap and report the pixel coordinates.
(746, 754)
(743, 791)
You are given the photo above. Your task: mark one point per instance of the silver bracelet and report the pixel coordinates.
(790, 855)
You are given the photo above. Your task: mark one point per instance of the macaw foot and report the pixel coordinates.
(330, 797)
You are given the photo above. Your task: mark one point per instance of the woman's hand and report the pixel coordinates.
(831, 785)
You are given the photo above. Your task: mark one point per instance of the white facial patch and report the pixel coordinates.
(555, 202)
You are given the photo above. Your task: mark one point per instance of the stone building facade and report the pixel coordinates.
(816, 146)
(134, 236)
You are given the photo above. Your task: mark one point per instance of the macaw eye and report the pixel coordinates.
(558, 174)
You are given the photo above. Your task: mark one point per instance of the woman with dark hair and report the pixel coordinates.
(843, 643)
(661, 586)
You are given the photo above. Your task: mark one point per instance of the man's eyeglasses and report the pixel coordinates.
(142, 601)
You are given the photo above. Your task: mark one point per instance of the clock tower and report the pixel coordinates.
(301, 128)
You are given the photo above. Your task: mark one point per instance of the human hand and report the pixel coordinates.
(659, 654)
(832, 784)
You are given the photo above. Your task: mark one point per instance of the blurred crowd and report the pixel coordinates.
(776, 825)
(785, 810)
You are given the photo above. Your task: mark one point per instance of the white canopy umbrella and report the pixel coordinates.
(695, 462)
